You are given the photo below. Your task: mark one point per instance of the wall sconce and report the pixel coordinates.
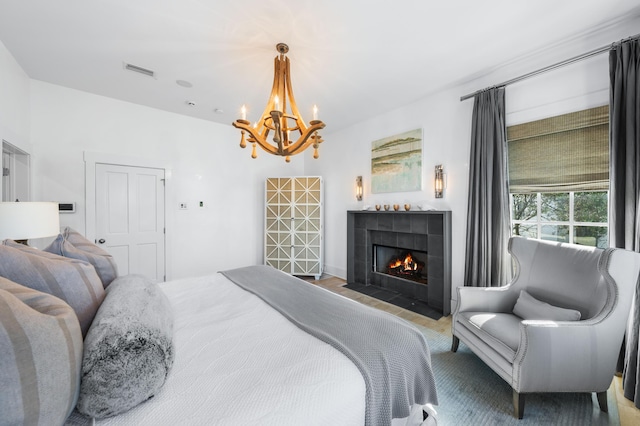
(439, 181)
(359, 189)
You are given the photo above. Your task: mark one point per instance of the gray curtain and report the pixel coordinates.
(488, 221)
(624, 232)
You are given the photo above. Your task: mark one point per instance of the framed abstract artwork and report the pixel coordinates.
(396, 163)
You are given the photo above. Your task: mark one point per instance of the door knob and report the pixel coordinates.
(101, 241)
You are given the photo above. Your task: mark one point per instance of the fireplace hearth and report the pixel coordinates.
(377, 239)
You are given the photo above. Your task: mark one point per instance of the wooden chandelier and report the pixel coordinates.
(275, 118)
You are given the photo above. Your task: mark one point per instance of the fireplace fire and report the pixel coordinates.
(402, 263)
(405, 266)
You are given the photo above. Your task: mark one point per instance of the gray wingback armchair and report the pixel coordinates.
(534, 339)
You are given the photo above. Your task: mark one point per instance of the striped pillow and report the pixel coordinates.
(40, 357)
(72, 280)
(72, 244)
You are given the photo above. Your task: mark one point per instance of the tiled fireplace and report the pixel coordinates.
(405, 252)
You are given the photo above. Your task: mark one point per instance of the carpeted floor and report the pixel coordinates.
(470, 393)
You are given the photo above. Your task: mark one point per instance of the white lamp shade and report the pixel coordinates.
(25, 220)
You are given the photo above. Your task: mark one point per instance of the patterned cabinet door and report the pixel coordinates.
(293, 239)
(307, 224)
(278, 224)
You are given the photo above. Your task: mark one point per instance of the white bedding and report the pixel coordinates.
(239, 362)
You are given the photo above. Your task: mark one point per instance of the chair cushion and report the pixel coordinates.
(503, 329)
(73, 281)
(528, 307)
(565, 275)
(72, 244)
(40, 357)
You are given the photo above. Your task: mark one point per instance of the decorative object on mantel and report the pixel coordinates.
(425, 207)
(359, 189)
(439, 181)
(378, 207)
(407, 206)
(21, 221)
(276, 118)
(396, 207)
(396, 163)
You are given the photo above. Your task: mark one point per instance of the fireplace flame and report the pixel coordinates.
(403, 264)
(406, 264)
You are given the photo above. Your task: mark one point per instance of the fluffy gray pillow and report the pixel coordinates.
(528, 307)
(72, 280)
(72, 244)
(128, 351)
(40, 356)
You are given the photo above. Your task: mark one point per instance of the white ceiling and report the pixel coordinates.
(354, 59)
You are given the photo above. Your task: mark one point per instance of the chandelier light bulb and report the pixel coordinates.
(243, 112)
(315, 112)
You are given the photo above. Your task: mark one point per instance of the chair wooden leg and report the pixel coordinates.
(454, 344)
(602, 401)
(518, 404)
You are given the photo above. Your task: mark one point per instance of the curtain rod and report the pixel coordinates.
(551, 67)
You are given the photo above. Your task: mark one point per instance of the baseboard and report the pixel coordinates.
(335, 271)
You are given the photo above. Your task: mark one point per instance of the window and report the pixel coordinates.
(559, 177)
(572, 217)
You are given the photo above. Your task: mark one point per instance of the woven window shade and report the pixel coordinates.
(568, 152)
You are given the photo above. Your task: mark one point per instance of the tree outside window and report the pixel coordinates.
(571, 217)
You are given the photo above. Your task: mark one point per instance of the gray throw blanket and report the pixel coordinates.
(392, 356)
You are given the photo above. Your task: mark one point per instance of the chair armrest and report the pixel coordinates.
(565, 356)
(485, 299)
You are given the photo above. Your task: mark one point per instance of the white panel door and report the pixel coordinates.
(130, 218)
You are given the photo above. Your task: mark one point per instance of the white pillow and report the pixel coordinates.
(528, 307)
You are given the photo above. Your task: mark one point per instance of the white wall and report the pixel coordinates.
(446, 124)
(14, 103)
(203, 161)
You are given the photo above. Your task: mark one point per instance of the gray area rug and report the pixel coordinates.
(470, 393)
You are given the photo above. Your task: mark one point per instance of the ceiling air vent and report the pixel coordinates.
(139, 70)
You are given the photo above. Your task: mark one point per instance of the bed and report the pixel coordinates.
(242, 356)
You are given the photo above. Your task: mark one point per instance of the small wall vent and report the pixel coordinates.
(139, 70)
